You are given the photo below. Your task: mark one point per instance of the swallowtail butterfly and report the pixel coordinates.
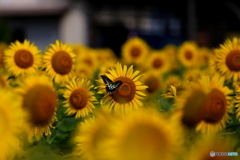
(111, 86)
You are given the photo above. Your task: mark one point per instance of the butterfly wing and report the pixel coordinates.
(111, 88)
(106, 80)
(117, 84)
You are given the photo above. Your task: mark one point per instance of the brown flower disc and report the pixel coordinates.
(215, 106)
(233, 60)
(135, 52)
(126, 92)
(62, 62)
(41, 102)
(78, 99)
(23, 59)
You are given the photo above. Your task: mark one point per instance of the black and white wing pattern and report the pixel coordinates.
(111, 87)
(106, 80)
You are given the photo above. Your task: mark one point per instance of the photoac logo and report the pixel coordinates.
(212, 154)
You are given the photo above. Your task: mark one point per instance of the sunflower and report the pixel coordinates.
(22, 58)
(218, 104)
(90, 135)
(77, 48)
(79, 98)
(142, 135)
(154, 82)
(159, 62)
(135, 50)
(227, 59)
(106, 66)
(89, 58)
(171, 51)
(192, 75)
(205, 55)
(126, 97)
(176, 90)
(206, 106)
(83, 71)
(105, 55)
(59, 62)
(39, 102)
(172, 79)
(10, 124)
(188, 54)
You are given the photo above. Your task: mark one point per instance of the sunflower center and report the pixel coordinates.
(193, 111)
(62, 62)
(41, 102)
(23, 59)
(126, 92)
(215, 106)
(78, 99)
(155, 143)
(88, 62)
(152, 83)
(135, 52)
(233, 60)
(157, 63)
(188, 55)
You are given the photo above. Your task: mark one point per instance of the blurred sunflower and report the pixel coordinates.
(10, 124)
(142, 135)
(79, 98)
(206, 106)
(3, 47)
(83, 71)
(22, 58)
(59, 62)
(172, 79)
(106, 66)
(154, 83)
(205, 55)
(159, 61)
(105, 55)
(188, 54)
(171, 51)
(192, 75)
(134, 51)
(218, 104)
(126, 97)
(89, 58)
(39, 101)
(176, 90)
(227, 59)
(77, 48)
(189, 109)
(90, 136)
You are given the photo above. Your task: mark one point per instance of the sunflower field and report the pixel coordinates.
(74, 102)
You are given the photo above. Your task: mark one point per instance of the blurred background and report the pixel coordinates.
(108, 23)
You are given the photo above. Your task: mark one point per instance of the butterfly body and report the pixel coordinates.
(111, 86)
